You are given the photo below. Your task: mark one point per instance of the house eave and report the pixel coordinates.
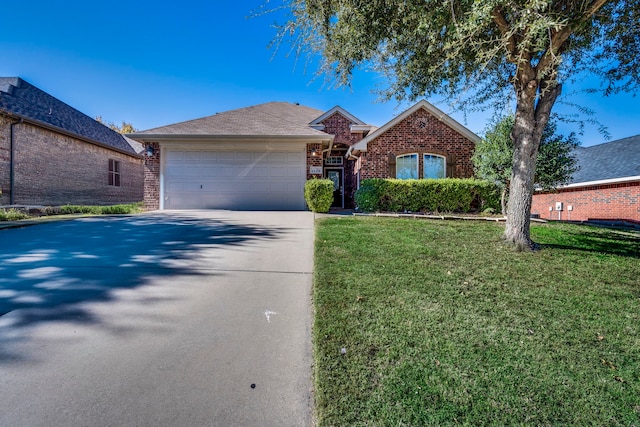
(609, 181)
(70, 134)
(212, 138)
(340, 110)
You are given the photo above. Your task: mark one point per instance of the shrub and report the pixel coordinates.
(121, 209)
(426, 195)
(318, 193)
(12, 215)
(96, 210)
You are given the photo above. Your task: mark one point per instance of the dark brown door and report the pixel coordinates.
(335, 175)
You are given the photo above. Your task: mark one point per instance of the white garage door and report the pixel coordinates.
(242, 180)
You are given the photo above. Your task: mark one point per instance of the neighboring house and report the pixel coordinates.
(606, 187)
(52, 154)
(259, 157)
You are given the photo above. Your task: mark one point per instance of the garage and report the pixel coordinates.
(252, 158)
(232, 179)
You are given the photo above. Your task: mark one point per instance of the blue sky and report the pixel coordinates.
(157, 63)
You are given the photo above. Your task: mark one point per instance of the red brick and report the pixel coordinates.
(610, 201)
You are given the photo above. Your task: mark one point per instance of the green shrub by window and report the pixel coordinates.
(426, 195)
(318, 193)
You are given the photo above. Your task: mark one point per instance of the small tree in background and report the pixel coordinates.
(493, 157)
(123, 129)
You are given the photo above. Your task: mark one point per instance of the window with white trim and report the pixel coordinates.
(333, 160)
(407, 166)
(433, 166)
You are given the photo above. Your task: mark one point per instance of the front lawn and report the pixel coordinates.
(436, 323)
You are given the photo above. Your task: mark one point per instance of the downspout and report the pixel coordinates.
(12, 155)
(327, 150)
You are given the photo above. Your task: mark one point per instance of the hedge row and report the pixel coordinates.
(16, 214)
(427, 195)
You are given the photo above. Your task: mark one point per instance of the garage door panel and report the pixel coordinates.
(294, 172)
(245, 180)
(295, 157)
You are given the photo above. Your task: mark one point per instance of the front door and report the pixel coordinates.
(335, 175)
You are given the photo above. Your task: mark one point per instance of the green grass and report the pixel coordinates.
(443, 324)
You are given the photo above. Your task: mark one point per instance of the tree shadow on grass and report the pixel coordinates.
(601, 241)
(49, 272)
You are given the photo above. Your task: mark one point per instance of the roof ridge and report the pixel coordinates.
(288, 121)
(39, 107)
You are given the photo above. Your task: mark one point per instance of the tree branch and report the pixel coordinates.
(503, 26)
(558, 38)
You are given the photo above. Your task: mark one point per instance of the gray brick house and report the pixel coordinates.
(52, 154)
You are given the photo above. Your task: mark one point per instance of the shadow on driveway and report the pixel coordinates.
(51, 270)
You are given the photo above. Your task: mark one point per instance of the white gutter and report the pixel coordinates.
(145, 137)
(601, 182)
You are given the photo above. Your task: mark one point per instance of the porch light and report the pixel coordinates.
(150, 151)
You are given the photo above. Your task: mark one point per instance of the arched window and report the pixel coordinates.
(407, 166)
(433, 166)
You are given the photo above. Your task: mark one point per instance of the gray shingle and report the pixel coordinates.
(21, 98)
(615, 159)
(270, 119)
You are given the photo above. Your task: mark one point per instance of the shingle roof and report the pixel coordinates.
(20, 98)
(270, 119)
(615, 159)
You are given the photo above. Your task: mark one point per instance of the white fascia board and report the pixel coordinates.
(601, 182)
(362, 128)
(214, 138)
(337, 109)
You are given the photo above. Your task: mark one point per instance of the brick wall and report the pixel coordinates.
(420, 133)
(314, 160)
(54, 169)
(5, 156)
(152, 177)
(339, 126)
(612, 201)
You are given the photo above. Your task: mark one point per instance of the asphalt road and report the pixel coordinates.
(164, 319)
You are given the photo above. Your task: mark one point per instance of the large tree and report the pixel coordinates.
(478, 54)
(556, 164)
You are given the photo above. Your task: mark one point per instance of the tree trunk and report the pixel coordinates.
(530, 121)
(503, 199)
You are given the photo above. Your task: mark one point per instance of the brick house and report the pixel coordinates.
(606, 187)
(259, 157)
(52, 154)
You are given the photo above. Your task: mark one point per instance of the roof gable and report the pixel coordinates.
(430, 108)
(317, 123)
(272, 119)
(23, 100)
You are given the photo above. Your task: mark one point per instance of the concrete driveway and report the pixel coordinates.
(163, 319)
